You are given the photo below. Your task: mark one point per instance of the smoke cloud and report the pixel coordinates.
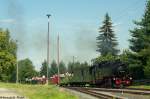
(15, 12)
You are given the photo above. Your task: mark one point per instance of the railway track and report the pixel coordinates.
(103, 93)
(127, 90)
(95, 94)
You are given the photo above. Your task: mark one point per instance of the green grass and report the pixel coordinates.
(140, 86)
(39, 91)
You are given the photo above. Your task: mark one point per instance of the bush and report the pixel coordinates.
(147, 69)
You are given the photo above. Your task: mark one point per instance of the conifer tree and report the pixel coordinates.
(43, 69)
(141, 33)
(53, 69)
(140, 42)
(107, 43)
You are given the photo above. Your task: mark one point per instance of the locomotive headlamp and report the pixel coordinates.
(114, 78)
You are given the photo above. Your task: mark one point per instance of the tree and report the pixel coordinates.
(85, 64)
(53, 69)
(43, 69)
(7, 56)
(147, 69)
(141, 33)
(76, 65)
(107, 42)
(108, 57)
(70, 67)
(26, 69)
(62, 67)
(140, 41)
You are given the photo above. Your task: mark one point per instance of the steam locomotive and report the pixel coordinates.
(103, 74)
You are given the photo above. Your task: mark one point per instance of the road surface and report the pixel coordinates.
(9, 94)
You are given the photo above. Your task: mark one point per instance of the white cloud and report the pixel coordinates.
(117, 24)
(10, 21)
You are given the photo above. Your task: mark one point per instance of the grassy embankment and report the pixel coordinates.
(141, 86)
(39, 91)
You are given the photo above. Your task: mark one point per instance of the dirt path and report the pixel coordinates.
(9, 94)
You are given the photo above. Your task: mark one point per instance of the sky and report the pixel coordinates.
(76, 21)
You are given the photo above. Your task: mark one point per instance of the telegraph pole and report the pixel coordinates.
(48, 15)
(17, 64)
(58, 59)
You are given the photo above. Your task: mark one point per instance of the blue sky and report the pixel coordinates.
(77, 22)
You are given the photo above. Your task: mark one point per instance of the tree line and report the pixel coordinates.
(27, 70)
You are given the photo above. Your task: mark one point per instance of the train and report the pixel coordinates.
(112, 74)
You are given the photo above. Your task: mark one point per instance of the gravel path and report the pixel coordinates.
(9, 94)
